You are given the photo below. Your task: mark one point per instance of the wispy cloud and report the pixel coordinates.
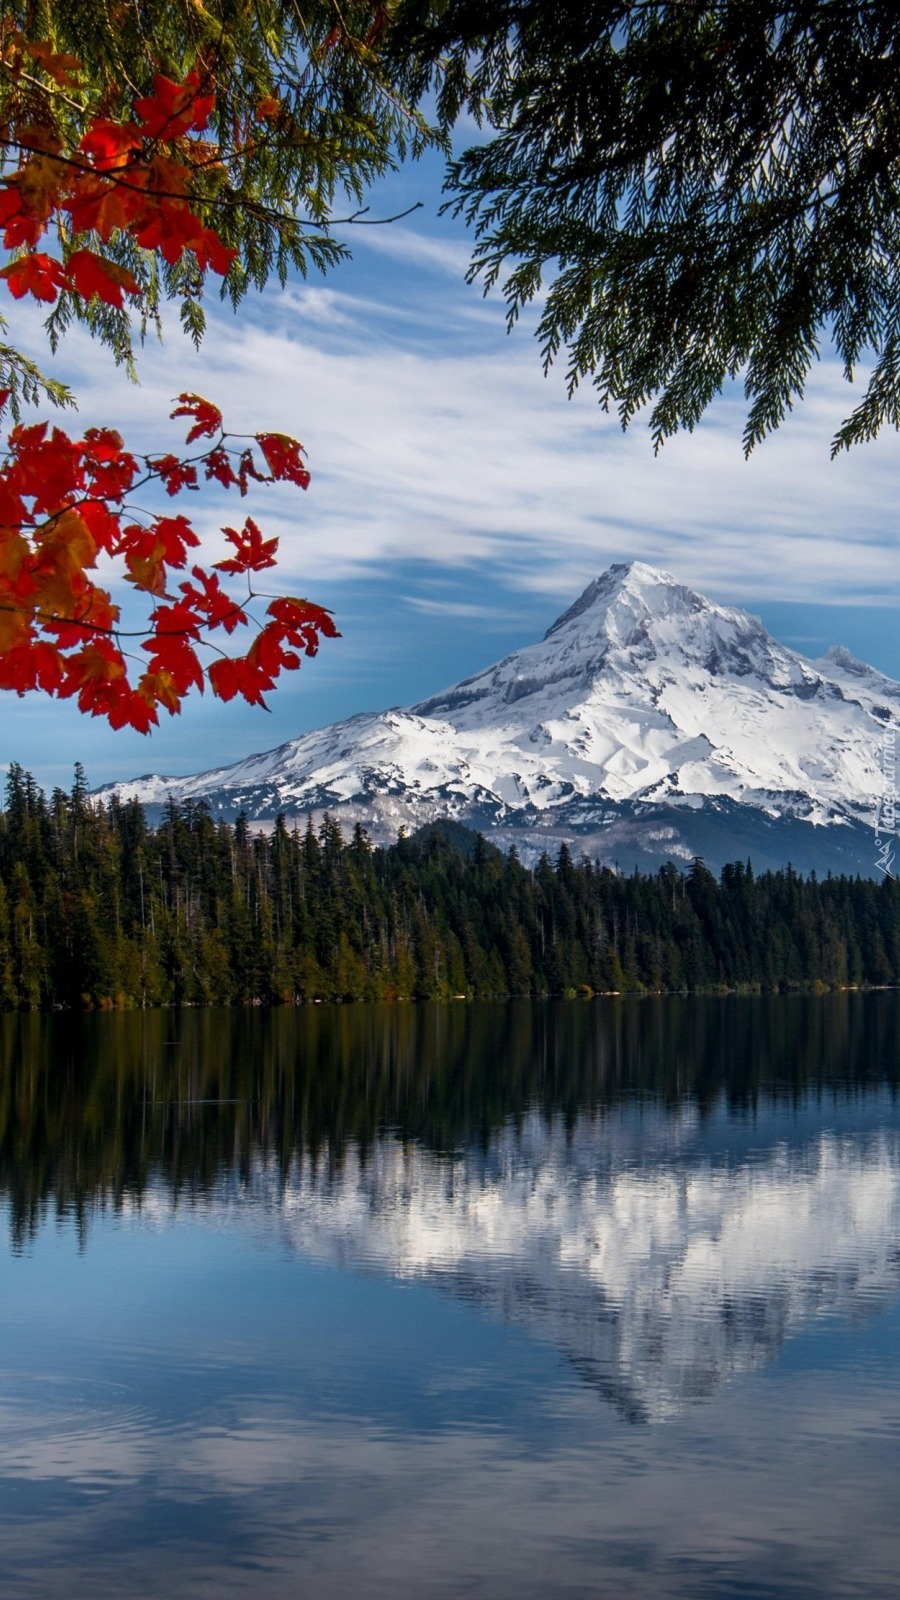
(462, 455)
(450, 608)
(435, 252)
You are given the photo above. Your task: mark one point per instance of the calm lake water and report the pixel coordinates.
(494, 1300)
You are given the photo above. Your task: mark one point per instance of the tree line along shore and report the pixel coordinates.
(99, 909)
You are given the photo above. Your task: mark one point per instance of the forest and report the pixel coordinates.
(98, 910)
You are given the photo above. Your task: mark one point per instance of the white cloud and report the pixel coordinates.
(449, 608)
(439, 254)
(454, 449)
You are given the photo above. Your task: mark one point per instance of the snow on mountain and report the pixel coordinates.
(647, 721)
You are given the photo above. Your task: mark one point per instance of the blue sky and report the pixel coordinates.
(460, 501)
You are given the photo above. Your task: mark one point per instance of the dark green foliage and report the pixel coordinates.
(710, 189)
(97, 909)
(100, 1110)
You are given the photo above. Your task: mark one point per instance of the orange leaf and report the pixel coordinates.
(63, 69)
(146, 567)
(56, 593)
(159, 689)
(40, 181)
(97, 674)
(96, 613)
(13, 551)
(98, 662)
(69, 540)
(97, 205)
(15, 627)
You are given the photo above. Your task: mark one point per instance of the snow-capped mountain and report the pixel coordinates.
(648, 723)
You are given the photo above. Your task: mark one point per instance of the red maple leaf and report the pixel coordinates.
(268, 652)
(33, 664)
(178, 620)
(48, 470)
(89, 275)
(132, 708)
(237, 675)
(103, 445)
(175, 474)
(174, 109)
(254, 553)
(175, 535)
(247, 470)
(219, 610)
(12, 509)
(211, 252)
(207, 417)
(171, 228)
(98, 205)
(37, 274)
(96, 674)
(20, 226)
(284, 457)
(111, 144)
(218, 466)
(110, 468)
(296, 615)
(175, 655)
(104, 525)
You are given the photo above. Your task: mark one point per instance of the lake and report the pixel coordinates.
(491, 1300)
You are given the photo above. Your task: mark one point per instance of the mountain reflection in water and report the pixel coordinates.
(664, 1192)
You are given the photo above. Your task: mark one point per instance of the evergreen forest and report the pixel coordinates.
(99, 909)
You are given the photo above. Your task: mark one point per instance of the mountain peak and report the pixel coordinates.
(648, 713)
(637, 586)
